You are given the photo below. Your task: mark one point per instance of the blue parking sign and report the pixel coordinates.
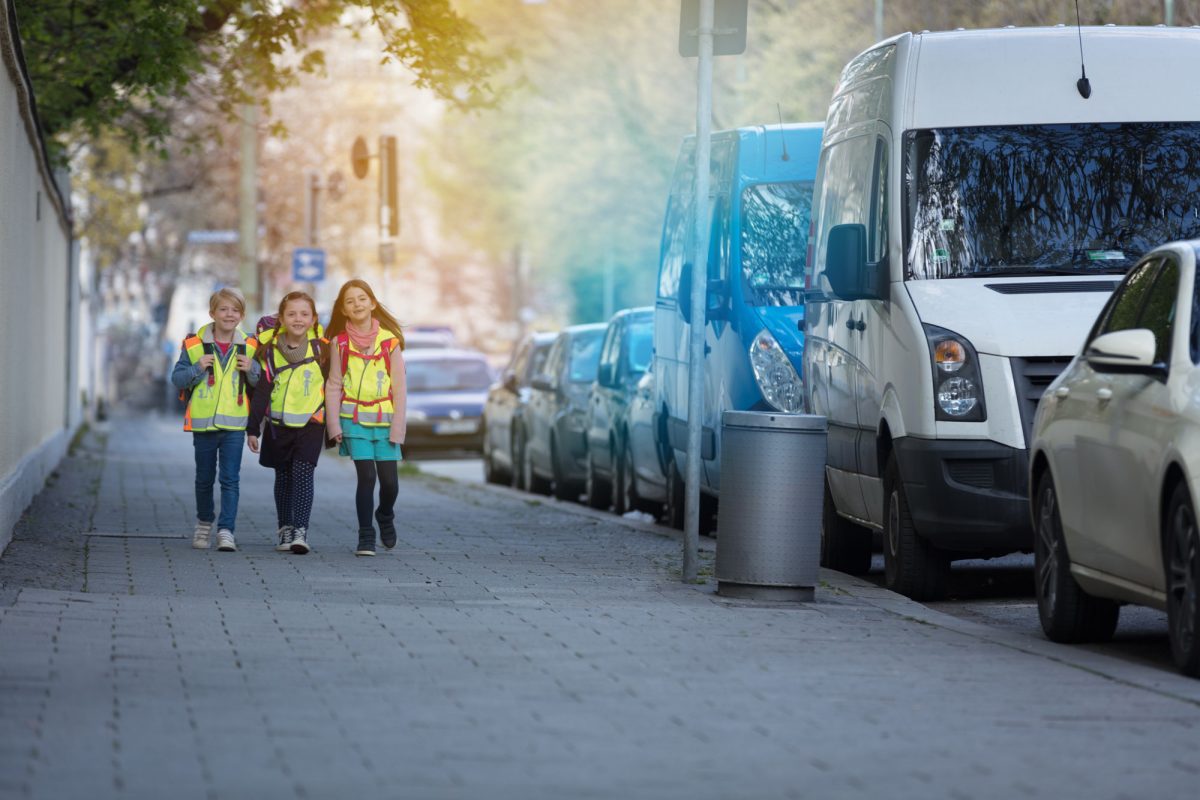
(308, 264)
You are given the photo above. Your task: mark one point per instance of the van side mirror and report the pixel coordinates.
(684, 299)
(606, 375)
(509, 380)
(849, 274)
(715, 305)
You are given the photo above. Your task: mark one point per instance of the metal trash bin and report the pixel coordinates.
(769, 522)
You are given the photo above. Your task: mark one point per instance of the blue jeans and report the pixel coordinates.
(215, 448)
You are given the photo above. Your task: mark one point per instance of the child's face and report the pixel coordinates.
(357, 305)
(297, 317)
(226, 316)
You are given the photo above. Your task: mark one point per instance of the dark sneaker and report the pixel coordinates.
(366, 542)
(285, 539)
(387, 529)
(300, 541)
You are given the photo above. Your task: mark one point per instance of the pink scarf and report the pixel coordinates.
(364, 342)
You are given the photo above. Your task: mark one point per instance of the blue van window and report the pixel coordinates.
(775, 234)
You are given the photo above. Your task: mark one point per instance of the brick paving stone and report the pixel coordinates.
(510, 647)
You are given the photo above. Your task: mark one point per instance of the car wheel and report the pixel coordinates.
(1067, 613)
(624, 491)
(518, 462)
(491, 473)
(845, 547)
(912, 566)
(1183, 581)
(564, 489)
(675, 497)
(533, 482)
(599, 491)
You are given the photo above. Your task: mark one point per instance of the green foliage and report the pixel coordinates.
(100, 64)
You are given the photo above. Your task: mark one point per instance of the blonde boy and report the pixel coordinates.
(215, 368)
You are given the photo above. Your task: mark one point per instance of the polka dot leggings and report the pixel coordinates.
(294, 493)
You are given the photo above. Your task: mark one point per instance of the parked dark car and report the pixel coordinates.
(624, 358)
(505, 406)
(553, 446)
(446, 392)
(642, 474)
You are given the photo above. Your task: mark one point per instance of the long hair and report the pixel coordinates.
(287, 298)
(337, 320)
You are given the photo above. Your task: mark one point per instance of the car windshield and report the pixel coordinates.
(585, 356)
(447, 375)
(641, 345)
(775, 220)
(1047, 199)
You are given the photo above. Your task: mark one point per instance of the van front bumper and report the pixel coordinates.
(967, 497)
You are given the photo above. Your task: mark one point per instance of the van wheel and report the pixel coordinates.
(1183, 582)
(598, 490)
(1067, 613)
(845, 547)
(912, 566)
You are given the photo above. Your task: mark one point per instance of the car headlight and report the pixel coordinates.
(957, 385)
(777, 379)
(415, 415)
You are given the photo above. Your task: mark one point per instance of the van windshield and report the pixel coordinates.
(775, 220)
(1047, 199)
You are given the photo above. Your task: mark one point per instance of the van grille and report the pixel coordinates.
(1032, 376)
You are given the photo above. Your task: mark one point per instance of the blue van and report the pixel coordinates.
(761, 185)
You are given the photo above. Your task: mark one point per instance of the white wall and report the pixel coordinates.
(37, 413)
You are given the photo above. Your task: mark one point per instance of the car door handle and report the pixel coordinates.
(1062, 392)
(1104, 394)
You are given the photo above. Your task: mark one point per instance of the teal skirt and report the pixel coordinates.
(364, 443)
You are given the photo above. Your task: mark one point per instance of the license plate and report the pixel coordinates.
(456, 426)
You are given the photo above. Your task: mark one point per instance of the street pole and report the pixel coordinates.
(878, 20)
(609, 285)
(248, 209)
(312, 185)
(1169, 12)
(691, 504)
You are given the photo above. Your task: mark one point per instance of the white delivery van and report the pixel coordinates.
(973, 211)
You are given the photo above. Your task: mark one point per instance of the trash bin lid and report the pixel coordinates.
(775, 421)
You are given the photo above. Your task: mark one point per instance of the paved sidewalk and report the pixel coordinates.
(510, 648)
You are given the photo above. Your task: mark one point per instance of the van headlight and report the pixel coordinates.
(957, 385)
(777, 379)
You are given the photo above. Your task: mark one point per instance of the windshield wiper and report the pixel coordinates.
(1002, 272)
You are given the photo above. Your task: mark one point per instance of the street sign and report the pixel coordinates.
(212, 237)
(308, 264)
(729, 27)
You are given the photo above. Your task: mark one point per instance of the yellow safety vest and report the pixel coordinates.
(219, 402)
(367, 380)
(297, 390)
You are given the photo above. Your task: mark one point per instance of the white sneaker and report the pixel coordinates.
(200, 536)
(225, 542)
(285, 539)
(300, 541)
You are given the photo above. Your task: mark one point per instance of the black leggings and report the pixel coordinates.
(364, 498)
(294, 493)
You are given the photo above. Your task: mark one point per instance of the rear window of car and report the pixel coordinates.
(447, 375)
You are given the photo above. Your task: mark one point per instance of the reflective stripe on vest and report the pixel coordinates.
(220, 402)
(366, 383)
(296, 406)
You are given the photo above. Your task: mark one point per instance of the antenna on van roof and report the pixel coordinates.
(1083, 84)
(782, 138)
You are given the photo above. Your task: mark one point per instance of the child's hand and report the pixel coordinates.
(243, 363)
(252, 441)
(206, 361)
(336, 439)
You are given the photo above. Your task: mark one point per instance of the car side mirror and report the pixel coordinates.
(510, 381)
(543, 383)
(849, 274)
(1124, 351)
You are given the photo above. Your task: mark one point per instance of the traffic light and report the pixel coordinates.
(389, 192)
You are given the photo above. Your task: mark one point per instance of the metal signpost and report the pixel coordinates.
(696, 37)
(308, 265)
